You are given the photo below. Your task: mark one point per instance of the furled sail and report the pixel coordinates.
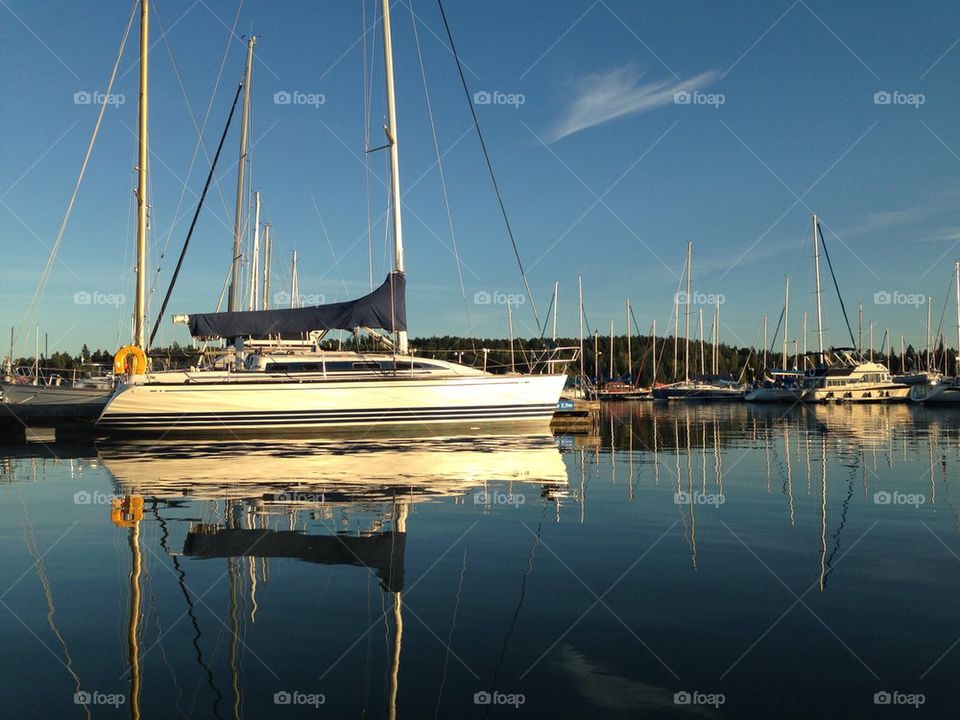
(384, 308)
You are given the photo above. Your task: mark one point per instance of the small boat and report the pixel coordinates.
(778, 386)
(702, 388)
(852, 379)
(918, 378)
(22, 386)
(944, 390)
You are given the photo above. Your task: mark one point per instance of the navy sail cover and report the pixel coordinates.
(384, 308)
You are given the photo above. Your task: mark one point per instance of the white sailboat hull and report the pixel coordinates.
(774, 395)
(947, 393)
(272, 403)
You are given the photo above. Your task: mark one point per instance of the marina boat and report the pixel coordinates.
(945, 390)
(273, 390)
(51, 388)
(918, 378)
(710, 387)
(850, 378)
(778, 386)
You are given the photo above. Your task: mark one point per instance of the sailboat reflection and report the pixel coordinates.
(343, 503)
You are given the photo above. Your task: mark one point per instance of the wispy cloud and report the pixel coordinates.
(601, 97)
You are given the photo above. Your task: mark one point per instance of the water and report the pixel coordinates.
(767, 563)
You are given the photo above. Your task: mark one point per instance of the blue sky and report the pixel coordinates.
(606, 172)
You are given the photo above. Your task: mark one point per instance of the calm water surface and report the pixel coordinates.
(692, 561)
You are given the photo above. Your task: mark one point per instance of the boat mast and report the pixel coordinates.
(140, 309)
(255, 260)
(241, 169)
(676, 332)
(929, 308)
(716, 339)
(764, 342)
(294, 283)
(267, 253)
(804, 339)
(816, 265)
(956, 370)
(611, 349)
(653, 340)
(582, 360)
(686, 322)
(629, 347)
(703, 368)
(391, 131)
(556, 295)
(786, 315)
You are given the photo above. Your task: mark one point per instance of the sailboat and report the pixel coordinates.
(779, 384)
(945, 391)
(843, 375)
(704, 387)
(275, 388)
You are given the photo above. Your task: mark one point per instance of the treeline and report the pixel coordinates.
(501, 355)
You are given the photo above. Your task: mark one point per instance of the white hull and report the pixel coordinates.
(860, 392)
(937, 394)
(270, 402)
(15, 394)
(774, 395)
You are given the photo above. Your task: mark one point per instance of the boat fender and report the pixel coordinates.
(129, 360)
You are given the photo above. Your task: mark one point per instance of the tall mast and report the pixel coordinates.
(686, 322)
(703, 368)
(956, 370)
(580, 292)
(556, 296)
(860, 328)
(241, 170)
(764, 342)
(676, 333)
(804, 330)
(140, 309)
(816, 265)
(267, 256)
(255, 260)
(391, 131)
(629, 347)
(786, 316)
(653, 339)
(294, 283)
(716, 339)
(611, 349)
(929, 309)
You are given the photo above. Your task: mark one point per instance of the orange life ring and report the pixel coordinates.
(129, 360)
(126, 512)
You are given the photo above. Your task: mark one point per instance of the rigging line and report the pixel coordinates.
(486, 156)
(333, 252)
(44, 276)
(826, 254)
(200, 129)
(30, 541)
(443, 180)
(453, 625)
(196, 215)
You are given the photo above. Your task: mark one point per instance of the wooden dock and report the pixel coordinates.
(20, 422)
